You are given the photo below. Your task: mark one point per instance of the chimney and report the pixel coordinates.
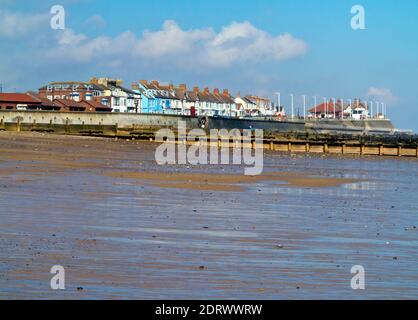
(216, 91)
(102, 81)
(183, 87)
(207, 90)
(226, 92)
(196, 89)
(94, 80)
(135, 86)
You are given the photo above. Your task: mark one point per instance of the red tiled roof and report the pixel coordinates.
(19, 98)
(322, 108)
(96, 105)
(69, 103)
(45, 102)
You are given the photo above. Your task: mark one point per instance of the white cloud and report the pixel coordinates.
(236, 43)
(68, 37)
(95, 21)
(242, 42)
(14, 25)
(79, 48)
(382, 94)
(171, 40)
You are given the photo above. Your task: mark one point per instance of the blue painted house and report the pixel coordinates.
(157, 98)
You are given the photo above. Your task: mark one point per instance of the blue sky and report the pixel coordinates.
(300, 47)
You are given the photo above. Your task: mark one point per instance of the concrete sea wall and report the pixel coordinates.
(88, 121)
(122, 119)
(327, 136)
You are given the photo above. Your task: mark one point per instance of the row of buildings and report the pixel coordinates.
(110, 95)
(352, 109)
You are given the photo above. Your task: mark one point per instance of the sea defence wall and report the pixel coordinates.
(269, 127)
(85, 122)
(370, 137)
(70, 121)
(354, 126)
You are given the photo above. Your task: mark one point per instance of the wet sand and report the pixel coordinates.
(228, 182)
(125, 228)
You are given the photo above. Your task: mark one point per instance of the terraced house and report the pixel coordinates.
(159, 98)
(116, 96)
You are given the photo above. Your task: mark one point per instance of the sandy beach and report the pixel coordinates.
(124, 227)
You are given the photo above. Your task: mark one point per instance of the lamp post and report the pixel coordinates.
(278, 100)
(315, 104)
(333, 106)
(136, 102)
(377, 109)
(292, 97)
(350, 101)
(304, 106)
(326, 107)
(367, 108)
(371, 109)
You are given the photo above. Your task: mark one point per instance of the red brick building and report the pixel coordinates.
(82, 106)
(33, 101)
(76, 91)
(19, 101)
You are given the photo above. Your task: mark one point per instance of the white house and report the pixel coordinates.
(119, 98)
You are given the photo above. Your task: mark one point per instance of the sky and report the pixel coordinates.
(260, 47)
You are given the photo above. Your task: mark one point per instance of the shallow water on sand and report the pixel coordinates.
(130, 238)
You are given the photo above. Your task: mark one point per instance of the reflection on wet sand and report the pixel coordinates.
(229, 182)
